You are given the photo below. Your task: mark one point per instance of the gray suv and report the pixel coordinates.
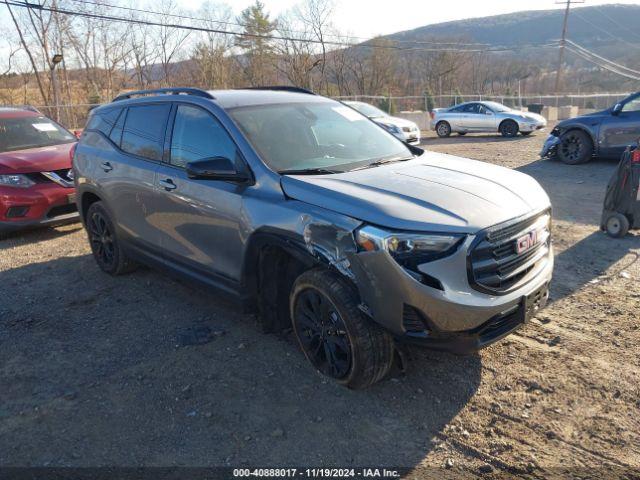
(308, 213)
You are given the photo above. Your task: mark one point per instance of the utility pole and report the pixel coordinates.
(563, 40)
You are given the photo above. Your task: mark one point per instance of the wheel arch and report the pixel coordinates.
(275, 254)
(87, 198)
(583, 129)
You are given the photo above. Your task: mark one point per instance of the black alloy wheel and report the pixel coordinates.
(101, 238)
(575, 148)
(509, 128)
(322, 333)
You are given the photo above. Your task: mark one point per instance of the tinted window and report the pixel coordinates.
(315, 135)
(104, 121)
(197, 135)
(116, 132)
(459, 109)
(471, 108)
(632, 106)
(143, 132)
(31, 132)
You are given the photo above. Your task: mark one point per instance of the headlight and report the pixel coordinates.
(408, 249)
(20, 181)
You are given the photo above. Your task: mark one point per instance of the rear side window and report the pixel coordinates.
(104, 121)
(143, 132)
(197, 135)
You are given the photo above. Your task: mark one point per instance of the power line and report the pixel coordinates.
(601, 64)
(608, 17)
(253, 35)
(603, 59)
(237, 24)
(635, 45)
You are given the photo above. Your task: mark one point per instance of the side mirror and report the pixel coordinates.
(215, 168)
(617, 108)
(77, 133)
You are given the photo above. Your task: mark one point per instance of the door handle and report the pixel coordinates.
(168, 184)
(106, 166)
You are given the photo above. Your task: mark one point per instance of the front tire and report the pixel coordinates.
(509, 129)
(443, 129)
(525, 134)
(575, 148)
(334, 334)
(105, 246)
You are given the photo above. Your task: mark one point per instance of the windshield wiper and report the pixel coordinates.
(309, 171)
(377, 163)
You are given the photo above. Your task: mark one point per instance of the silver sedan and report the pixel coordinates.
(485, 117)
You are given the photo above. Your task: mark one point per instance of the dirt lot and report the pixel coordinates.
(99, 371)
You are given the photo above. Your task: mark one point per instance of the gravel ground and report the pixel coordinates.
(101, 371)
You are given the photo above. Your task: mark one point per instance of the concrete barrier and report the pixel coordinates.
(422, 119)
(550, 113)
(569, 111)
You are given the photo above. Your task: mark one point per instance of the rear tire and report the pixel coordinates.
(443, 129)
(334, 334)
(617, 225)
(575, 148)
(509, 129)
(105, 246)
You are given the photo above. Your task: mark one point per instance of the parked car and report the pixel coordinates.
(402, 129)
(305, 211)
(36, 185)
(485, 117)
(605, 134)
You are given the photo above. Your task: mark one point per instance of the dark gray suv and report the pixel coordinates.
(311, 215)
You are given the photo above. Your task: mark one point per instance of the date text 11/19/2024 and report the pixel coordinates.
(316, 472)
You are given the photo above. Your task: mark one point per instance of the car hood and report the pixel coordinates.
(435, 192)
(398, 122)
(41, 159)
(595, 116)
(528, 115)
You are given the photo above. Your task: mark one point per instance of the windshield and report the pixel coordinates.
(31, 132)
(496, 107)
(318, 135)
(368, 110)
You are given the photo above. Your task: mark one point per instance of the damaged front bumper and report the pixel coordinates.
(550, 146)
(443, 311)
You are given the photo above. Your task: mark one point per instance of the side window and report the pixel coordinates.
(459, 109)
(143, 132)
(471, 108)
(116, 131)
(632, 106)
(104, 121)
(197, 135)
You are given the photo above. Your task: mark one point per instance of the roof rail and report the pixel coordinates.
(285, 88)
(165, 91)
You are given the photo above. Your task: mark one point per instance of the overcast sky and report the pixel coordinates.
(367, 18)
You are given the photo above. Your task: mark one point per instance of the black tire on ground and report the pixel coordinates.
(333, 333)
(575, 147)
(617, 225)
(443, 129)
(524, 134)
(462, 134)
(509, 129)
(104, 243)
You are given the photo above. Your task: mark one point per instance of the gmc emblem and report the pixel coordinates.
(527, 241)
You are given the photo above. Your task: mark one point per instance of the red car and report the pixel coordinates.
(36, 180)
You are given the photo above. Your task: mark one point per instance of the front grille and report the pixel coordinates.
(494, 263)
